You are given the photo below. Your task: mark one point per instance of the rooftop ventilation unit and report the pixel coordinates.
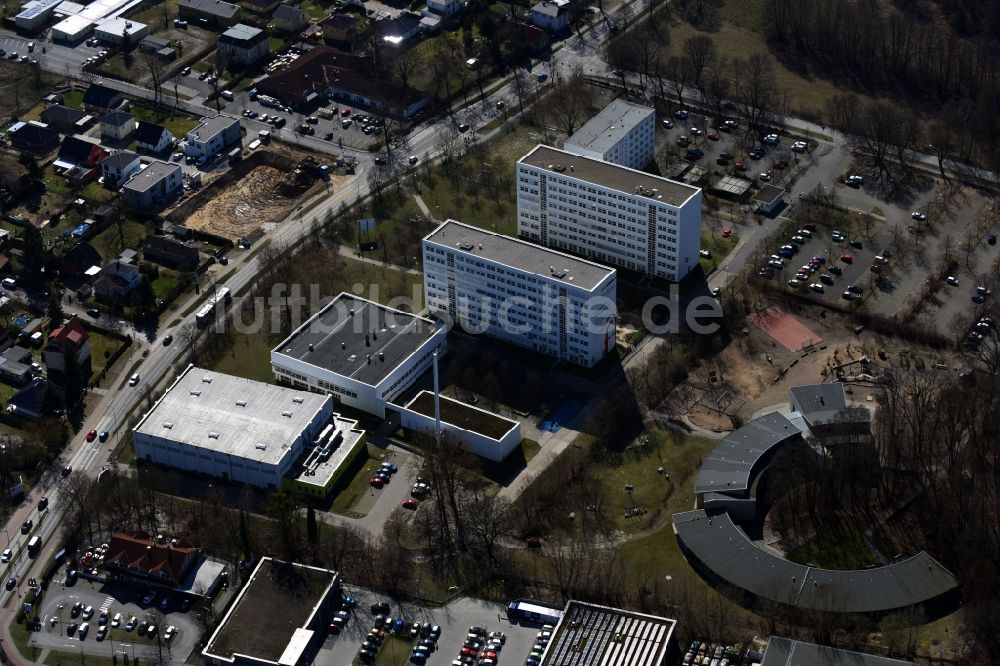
(311, 347)
(241, 403)
(286, 413)
(168, 424)
(261, 446)
(206, 380)
(467, 247)
(213, 435)
(297, 400)
(195, 392)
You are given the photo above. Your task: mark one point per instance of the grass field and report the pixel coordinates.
(109, 242)
(101, 347)
(73, 99)
(719, 247)
(836, 546)
(179, 126)
(164, 285)
(355, 485)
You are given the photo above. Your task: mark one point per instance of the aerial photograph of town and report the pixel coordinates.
(524, 333)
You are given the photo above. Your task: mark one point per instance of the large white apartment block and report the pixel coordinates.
(608, 213)
(623, 133)
(520, 293)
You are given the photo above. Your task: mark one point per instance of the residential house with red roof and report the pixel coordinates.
(71, 334)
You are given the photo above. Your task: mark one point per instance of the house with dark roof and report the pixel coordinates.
(15, 365)
(340, 29)
(396, 31)
(77, 152)
(153, 138)
(520, 35)
(65, 119)
(102, 99)
(80, 260)
(28, 403)
(344, 77)
(769, 199)
(214, 14)
(262, 7)
(158, 46)
(118, 168)
(162, 561)
(116, 282)
(289, 19)
(153, 186)
(71, 335)
(117, 126)
(34, 138)
(242, 45)
(551, 16)
(171, 253)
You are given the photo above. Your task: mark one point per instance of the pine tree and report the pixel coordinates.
(33, 258)
(55, 311)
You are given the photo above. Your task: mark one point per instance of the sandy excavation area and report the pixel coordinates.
(264, 195)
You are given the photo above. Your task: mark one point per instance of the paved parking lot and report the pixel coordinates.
(55, 615)
(454, 620)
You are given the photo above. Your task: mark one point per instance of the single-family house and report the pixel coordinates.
(65, 119)
(15, 365)
(261, 7)
(81, 261)
(213, 14)
(212, 136)
(444, 7)
(71, 335)
(396, 31)
(153, 138)
(551, 16)
(117, 126)
(242, 45)
(170, 252)
(34, 138)
(118, 168)
(153, 186)
(116, 282)
(28, 403)
(100, 99)
(289, 19)
(76, 152)
(137, 554)
(340, 30)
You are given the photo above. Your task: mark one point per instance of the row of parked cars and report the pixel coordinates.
(481, 647)
(703, 653)
(804, 275)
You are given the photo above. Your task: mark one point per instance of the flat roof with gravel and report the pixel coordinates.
(462, 415)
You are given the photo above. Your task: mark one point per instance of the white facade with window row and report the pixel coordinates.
(608, 213)
(622, 133)
(520, 293)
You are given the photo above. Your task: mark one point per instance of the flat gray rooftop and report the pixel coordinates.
(608, 175)
(518, 254)
(591, 635)
(602, 132)
(788, 652)
(151, 175)
(203, 409)
(209, 127)
(342, 336)
(720, 546)
(731, 465)
(319, 474)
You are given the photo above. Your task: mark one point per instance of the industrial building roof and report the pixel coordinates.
(151, 175)
(603, 132)
(215, 7)
(519, 254)
(357, 338)
(611, 176)
(788, 652)
(591, 635)
(723, 548)
(822, 404)
(35, 7)
(232, 415)
(732, 464)
(119, 26)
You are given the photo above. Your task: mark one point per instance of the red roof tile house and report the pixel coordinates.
(71, 334)
(167, 562)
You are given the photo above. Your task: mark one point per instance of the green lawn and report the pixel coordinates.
(314, 9)
(837, 546)
(101, 347)
(164, 285)
(6, 392)
(73, 99)
(276, 43)
(249, 357)
(96, 193)
(109, 242)
(395, 651)
(718, 246)
(397, 234)
(54, 182)
(179, 126)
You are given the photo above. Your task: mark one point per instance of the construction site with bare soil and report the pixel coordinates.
(262, 190)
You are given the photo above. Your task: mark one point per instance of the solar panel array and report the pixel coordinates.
(591, 635)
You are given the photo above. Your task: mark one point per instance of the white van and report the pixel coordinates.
(227, 95)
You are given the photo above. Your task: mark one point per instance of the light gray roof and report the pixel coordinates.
(590, 635)
(209, 127)
(718, 544)
(151, 175)
(263, 428)
(214, 7)
(820, 403)
(611, 176)
(242, 32)
(117, 118)
(519, 254)
(289, 13)
(788, 652)
(733, 463)
(548, 8)
(769, 193)
(607, 128)
(349, 330)
(121, 159)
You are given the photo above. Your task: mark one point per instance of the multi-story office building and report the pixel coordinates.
(608, 213)
(622, 133)
(520, 292)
